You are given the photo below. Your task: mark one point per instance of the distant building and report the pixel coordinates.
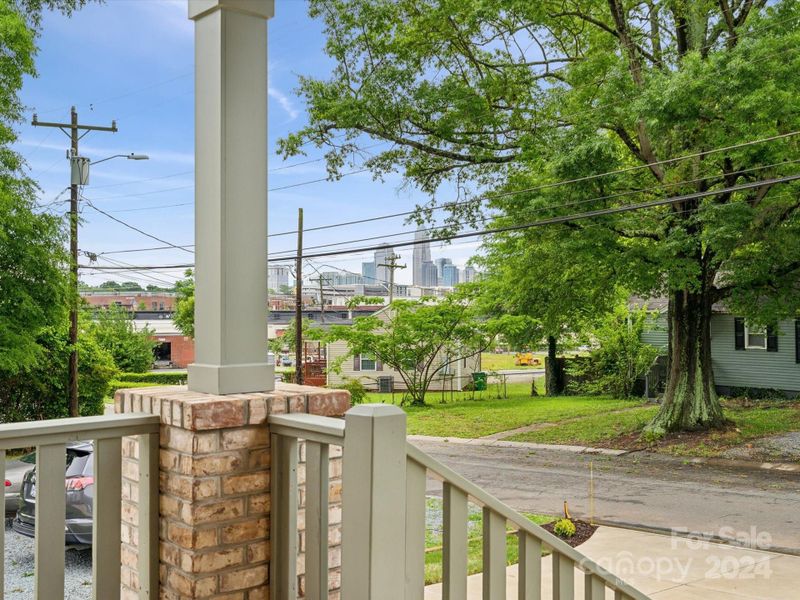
(368, 272)
(449, 275)
(430, 276)
(381, 258)
(277, 277)
(469, 274)
(132, 301)
(440, 265)
(422, 254)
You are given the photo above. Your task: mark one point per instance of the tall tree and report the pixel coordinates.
(32, 257)
(515, 97)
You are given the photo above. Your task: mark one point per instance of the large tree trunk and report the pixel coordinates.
(690, 401)
(553, 373)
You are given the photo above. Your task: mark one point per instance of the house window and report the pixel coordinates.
(368, 362)
(755, 338)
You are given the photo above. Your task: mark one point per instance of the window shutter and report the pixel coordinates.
(357, 362)
(738, 332)
(797, 340)
(378, 365)
(772, 338)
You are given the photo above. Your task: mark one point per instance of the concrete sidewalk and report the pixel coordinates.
(671, 568)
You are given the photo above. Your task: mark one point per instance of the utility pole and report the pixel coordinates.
(298, 305)
(76, 175)
(322, 281)
(391, 264)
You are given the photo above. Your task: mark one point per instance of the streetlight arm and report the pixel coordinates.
(130, 156)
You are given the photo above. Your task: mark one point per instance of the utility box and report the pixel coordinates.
(480, 381)
(385, 384)
(80, 170)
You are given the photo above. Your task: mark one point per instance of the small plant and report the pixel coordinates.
(358, 393)
(564, 528)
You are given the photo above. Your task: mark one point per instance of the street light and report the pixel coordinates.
(81, 165)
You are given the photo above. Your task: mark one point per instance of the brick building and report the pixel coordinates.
(131, 300)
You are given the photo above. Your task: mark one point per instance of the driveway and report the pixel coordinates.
(641, 489)
(19, 569)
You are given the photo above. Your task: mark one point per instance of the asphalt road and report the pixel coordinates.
(639, 488)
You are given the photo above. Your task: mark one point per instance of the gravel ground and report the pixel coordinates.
(785, 446)
(19, 580)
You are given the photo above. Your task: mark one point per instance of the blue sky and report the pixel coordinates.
(132, 60)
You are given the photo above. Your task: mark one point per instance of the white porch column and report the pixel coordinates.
(230, 196)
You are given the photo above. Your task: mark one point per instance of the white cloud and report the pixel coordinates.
(284, 101)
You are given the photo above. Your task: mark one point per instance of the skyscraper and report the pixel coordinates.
(422, 254)
(449, 275)
(469, 274)
(381, 258)
(430, 277)
(368, 272)
(440, 265)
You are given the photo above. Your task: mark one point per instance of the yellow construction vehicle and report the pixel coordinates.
(526, 359)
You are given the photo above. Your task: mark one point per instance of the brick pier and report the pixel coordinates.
(214, 489)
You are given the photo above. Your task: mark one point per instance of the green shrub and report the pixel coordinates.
(620, 356)
(288, 376)
(116, 384)
(41, 392)
(358, 393)
(113, 329)
(155, 378)
(564, 528)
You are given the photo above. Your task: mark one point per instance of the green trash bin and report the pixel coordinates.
(479, 379)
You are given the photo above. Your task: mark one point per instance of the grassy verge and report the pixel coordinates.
(467, 418)
(433, 540)
(593, 429)
(623, 429)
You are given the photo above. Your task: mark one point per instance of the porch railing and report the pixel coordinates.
(106, 432)
(384, 484)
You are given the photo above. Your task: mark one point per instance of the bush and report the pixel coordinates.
(564, 528)
(155, 378)
(41, 392)
(620, 357)
(113, 329)
(288, 376)
(358, 393)
(116, 384)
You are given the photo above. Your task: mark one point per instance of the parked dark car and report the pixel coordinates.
(15, 471)
(79, 488)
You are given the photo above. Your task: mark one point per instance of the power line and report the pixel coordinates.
(129, 226)
(551, 220)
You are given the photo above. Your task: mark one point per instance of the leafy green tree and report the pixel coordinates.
(620, 356)
(40, 392)
(514, 97)
(184, 305)
(287, 340)
(420, 339)
(113, 330)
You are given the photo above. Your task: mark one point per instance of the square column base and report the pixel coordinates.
(231, 379)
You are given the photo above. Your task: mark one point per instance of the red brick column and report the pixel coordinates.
(214, 489)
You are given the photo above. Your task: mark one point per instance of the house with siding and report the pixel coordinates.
(379, 377)
(742, 357)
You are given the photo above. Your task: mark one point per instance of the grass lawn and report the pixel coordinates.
(622, 430)
(433, 540)
(466, 418)
(497, 362)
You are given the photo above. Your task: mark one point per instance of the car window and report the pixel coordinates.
(79, 463)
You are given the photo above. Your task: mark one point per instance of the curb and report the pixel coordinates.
(706, 537)
(522, 445)
(716, 462)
